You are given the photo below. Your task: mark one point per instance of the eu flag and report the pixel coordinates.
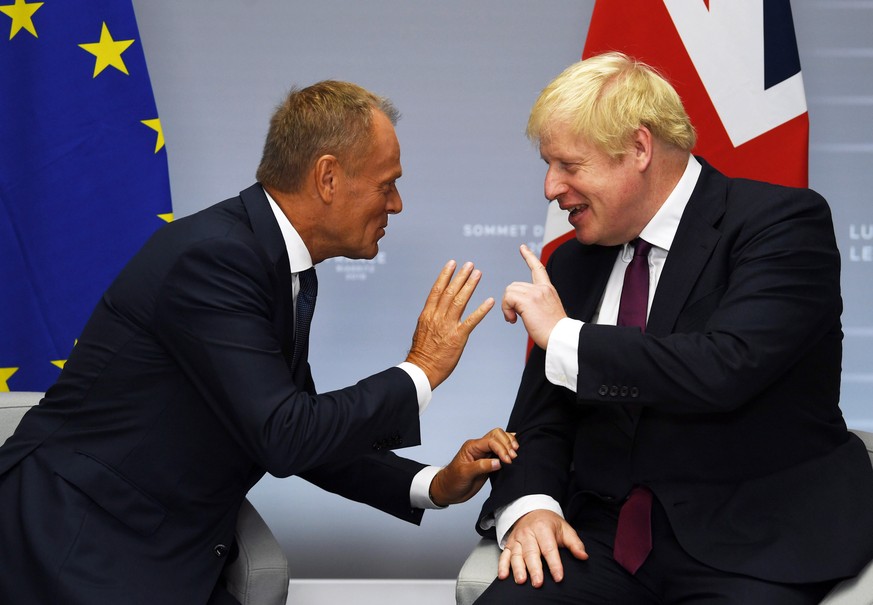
(83, 173)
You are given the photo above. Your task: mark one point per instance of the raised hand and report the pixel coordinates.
(466, 473)
(537, 303)
(440, 336)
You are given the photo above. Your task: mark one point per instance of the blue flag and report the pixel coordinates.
(83, 173)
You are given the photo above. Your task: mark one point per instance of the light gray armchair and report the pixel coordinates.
(480, 569)
(259, 575)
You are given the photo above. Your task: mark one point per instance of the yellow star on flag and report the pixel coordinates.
(156, 126)
(108, 52)
(62, 362)
(22, 16)
(5, 374)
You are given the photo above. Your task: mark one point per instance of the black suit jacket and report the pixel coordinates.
(727, 407)
(123, 485)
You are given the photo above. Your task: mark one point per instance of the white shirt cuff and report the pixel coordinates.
(562, 353)
(419, 491)
(422, 384)
(506, 516)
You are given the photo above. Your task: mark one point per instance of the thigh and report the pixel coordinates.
(727, 589)
(597, 580)
(679, 579)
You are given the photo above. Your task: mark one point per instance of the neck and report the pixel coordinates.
(668, 170)
(301, 209)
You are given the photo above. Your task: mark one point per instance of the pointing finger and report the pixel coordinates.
(538, 272)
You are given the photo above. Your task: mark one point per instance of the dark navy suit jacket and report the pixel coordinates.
(123, 485)
(727, 406)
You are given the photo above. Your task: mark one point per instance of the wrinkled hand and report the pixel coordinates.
(466, 473)
(440, 336)
(537, 303)
(537, 535)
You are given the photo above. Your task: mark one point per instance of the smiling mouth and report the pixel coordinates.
(575, 210)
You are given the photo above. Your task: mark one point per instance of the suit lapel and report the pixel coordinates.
(692, 247)
(267, 231)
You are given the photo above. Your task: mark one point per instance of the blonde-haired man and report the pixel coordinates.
(679, 422)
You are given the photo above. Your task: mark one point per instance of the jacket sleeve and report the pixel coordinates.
(381, 480)
(543, 419)
(217, 314)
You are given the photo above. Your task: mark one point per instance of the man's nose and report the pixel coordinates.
(553, 186)
(395, 203)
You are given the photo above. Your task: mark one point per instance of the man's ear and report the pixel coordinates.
(326, 173)
(643, 143)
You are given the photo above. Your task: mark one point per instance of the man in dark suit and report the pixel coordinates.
(679, 426)
(191, 380)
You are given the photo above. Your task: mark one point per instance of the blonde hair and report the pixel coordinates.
(329, 117)
(605, 98)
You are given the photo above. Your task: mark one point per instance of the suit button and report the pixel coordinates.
(613, 391)
(634, 392)
(624, 391)
(220, 550)
(603, 390)
(377, 446)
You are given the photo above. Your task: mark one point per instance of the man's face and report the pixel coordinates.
(602, 194)
(366, 197)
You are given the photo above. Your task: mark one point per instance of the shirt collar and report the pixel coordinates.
(298, 254)
(662, 228)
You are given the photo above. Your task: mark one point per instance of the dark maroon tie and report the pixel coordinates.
(633, 537)
(635, 290)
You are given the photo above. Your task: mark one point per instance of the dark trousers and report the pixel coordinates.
(669, 575)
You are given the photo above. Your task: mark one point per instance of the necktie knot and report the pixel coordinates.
(641, 247)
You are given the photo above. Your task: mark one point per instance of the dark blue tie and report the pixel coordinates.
(633, 536)
(305, 308)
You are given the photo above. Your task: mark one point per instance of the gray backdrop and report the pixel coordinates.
(464, 75)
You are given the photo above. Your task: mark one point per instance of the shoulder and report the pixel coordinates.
(760, 200)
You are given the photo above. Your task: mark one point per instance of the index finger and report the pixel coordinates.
(538, 272)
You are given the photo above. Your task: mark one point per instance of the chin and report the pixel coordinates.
(584, 238)
(369, 254)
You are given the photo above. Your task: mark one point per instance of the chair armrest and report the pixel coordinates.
(478, 572)
(854, 591)
(259, 575)
(857, 590)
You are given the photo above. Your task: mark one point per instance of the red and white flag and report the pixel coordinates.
(735, 65)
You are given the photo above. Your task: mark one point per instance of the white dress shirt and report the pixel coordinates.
(301, 260)
(562, 350)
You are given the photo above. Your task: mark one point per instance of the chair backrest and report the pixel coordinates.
(12, 407)
(867, 438)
